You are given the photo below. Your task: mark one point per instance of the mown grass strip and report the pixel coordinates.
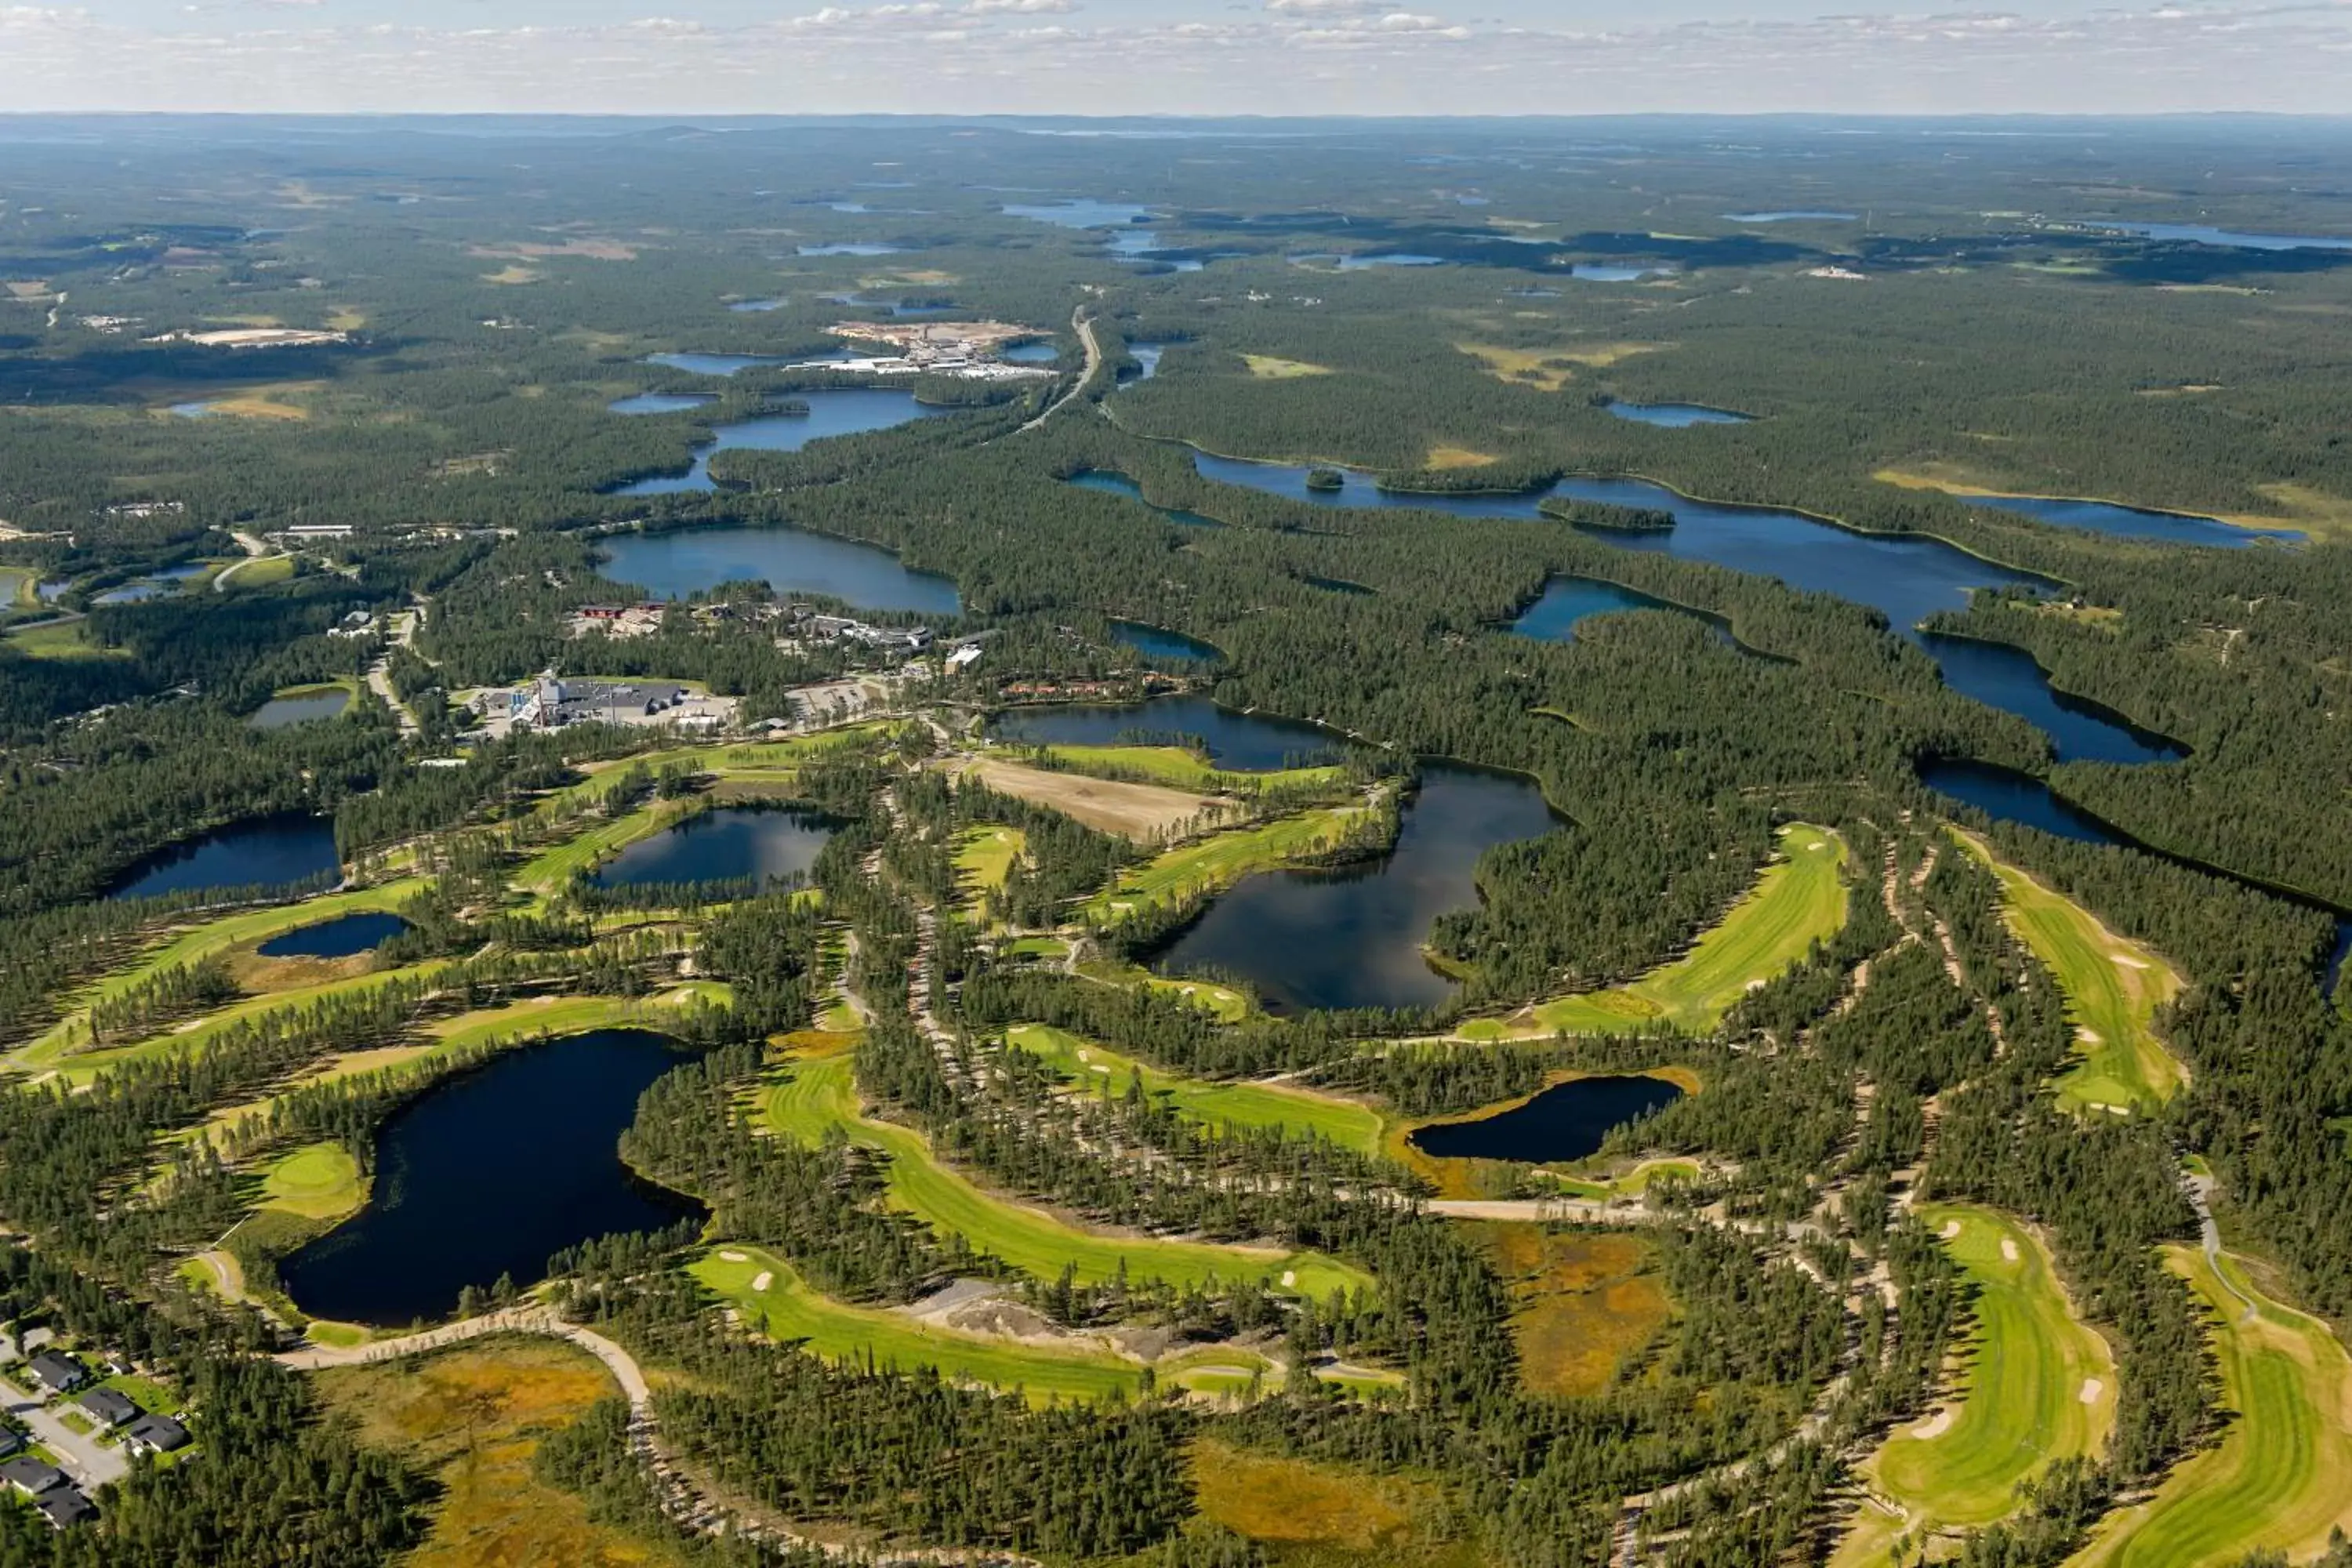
(1249, 1106)
(1214, 864)
(818, 1095)
(1181, 769)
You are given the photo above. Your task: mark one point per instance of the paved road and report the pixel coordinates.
(515, 1320)
(1085, 327)
(79, 1456)
(378, 674)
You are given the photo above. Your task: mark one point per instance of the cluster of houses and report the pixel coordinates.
(552, 702)
(102, 1411)
(618, 620)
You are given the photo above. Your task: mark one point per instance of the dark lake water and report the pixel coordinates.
(1567, 1122)
(1792, 215)
(1147, 358)
(851, 247)
(1567, 600)
(1030, 353)
(2202, 234)
(2132, 521)
(661, 403)
(493, 1173)
(343, 937)
(673, 565)
(1113, 484)
(1244, 742)
(715, 364)
(1906, 578)
(757, 307)
(133, 594)
(766, 843)
(1676, 415)
(280, 711)
(1611, 272)
(1159, 642)
(836, 411)
(1080, 214)
(270, 852)
(1352, 937)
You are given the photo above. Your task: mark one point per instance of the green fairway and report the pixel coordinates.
(1217, 862)
(2113, 987)
(2037, 1386)
(985, 858)
(60, 639)
(582, 852)
(1242, 1105)
(1630, 1183)
(202, 941)
(19, 586)
(1180, 769)
(1222, 1002)
(766, 1291)
(2281, 1476)
(317, 1181)
(1800, 899)
(819, 1096)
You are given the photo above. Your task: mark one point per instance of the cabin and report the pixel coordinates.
(31, 1476)
(11, 1442)
(152, 1435)
(65, 1508)
(109, 1406)
(58, 1374)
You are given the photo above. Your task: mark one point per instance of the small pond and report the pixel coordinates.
(759, 307)
(1030, 353)
(1791, 214)
(675, 565)
(1159, 642)
(766, 843)
(1352, 936)
(850, 248)
(1245, 743)
(346, 936)
(661, 403)
(1676, 415)
(1080, 214)
(1567, 1122)
(1147, 359)
(493, 1173)
(837, 411)
(280, 711)
(1566, 601)
(1111, 484)
(2131, 521)
(268, 852)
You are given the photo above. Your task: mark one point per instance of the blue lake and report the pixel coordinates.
(2136, 522)
(1567, 1122)
(1106, 483)
(674, 565)
(1080, 214)
(851, 247)
(662, 403)
(1352, 936)
(1389, 259)
(1147, 359)
(1611, 272)
(493, 1173)
(2203, 234)
(268, 852)
(835, 411)
(346, 936)
(1159, 642)
(1030, 353)
(2001, 675)
(131, 593)
(1244, 742)
(715, 364)
(1566, 601)
(757, 307)
(767, 844)
(1791, 214)
(1676, 415)
(280, 711)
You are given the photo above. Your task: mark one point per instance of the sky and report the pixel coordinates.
(1178, 56)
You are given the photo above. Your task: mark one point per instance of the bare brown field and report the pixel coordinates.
(1145, 813)
(1584, 1302)
(1441, 458)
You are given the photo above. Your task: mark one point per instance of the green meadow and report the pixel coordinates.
(1214, 864)
(1090, 1067)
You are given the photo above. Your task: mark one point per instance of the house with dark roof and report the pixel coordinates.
(10, 1442)
(65, 1508)
(110, 1405)
(31, 1476)
(58, 1374)
(154, 1435)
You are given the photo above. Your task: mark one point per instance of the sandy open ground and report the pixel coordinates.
(1145, 813)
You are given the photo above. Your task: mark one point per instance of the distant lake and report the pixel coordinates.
(764, 843)
(831, 411)
(1106, 483)
(1147, 359)
(1157, 642)
(1352, 936)
(674, 565)
(1999, 675)
(1610, 272)
(269, 851)
(1244, 742)
(1792, 215)
(493, 1173)
(1566, 601)
(757, 307)
(197, 410)
(1567, 1122)
(280, 711)
(2134, 522)
(131, 593)
(1676, 415)
(1080, 214)
(851, 247)
(662, 403)
(346, 936)
(715, 364)
(1389, 259)
(1030, 353)
(2202, 234)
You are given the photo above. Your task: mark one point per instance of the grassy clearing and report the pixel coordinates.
(1630, 1183)
(1799, 899)
(1221, 1003)
(788, 1310)
(985, 858)
(1319, 1514)
(2035, 1384)
(198, 943)
(254, 572)
(2112, 988)
(1266, 367)
(474, 1416)
(818, 1096)
(60, 639)
(19, 586)
(1444, 457)
(1180, 769)
(1240, 1105)
(1216, 863)
(1582, 1302)
(2281, 1476)
(317, 1181)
